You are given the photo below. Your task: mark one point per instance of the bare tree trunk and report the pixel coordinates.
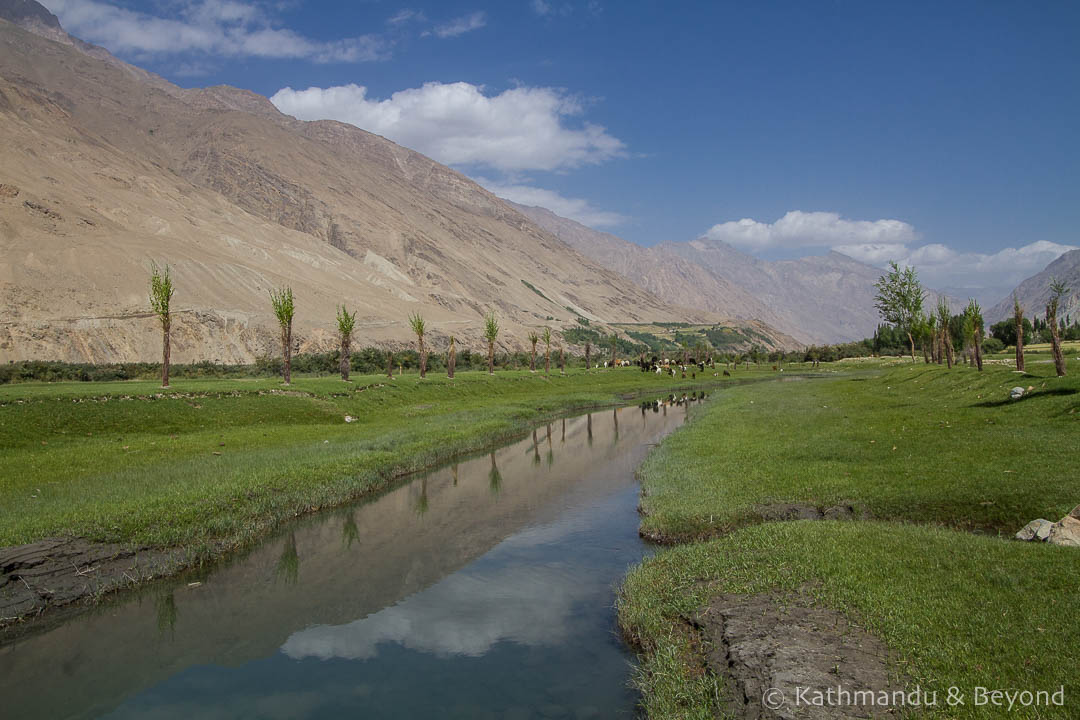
(166, 350)
(451, 359)
(588, 348)
(286, 351)
(925, 353)
(1019, 339)
(1055, 341)
(390, 364)
(532, 359)
(423, 358)
(949, 356)
(346, 353)
(978, 350)
(491, 359)
(547, 360)
(912, 341)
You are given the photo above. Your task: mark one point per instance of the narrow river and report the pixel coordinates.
(483, 589)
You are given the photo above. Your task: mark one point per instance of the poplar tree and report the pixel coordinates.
(284, 308)
(418, 327)
(161, 292)
(1057, 291)
(491, 333)
(346, 321)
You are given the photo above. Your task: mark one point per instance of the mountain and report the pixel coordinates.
(105, 167)
(817, 299)
(1034, 292)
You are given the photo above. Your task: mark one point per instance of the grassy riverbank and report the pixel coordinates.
(213, 464)
(932, 455)
(918, 443)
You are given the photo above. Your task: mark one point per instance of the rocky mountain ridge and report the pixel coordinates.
(107, 167)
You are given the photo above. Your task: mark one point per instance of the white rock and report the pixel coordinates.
(1065, 532)
(1016, 393)
(1035, 530)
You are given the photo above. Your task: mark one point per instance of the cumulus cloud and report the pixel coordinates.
(799, 229)
(523, 128)
(225, 28)
(574, 208)
(461, 25)
(988, 276)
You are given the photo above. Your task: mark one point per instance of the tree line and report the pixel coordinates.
(943, 336)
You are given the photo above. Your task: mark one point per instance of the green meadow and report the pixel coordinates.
(945, 469)
(214, 464)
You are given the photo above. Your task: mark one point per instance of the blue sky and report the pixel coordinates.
(943, 134)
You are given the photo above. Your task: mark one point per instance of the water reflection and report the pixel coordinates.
(494, 477)
(288, 565)
(350, 533)
(166, 614)
(461, 594)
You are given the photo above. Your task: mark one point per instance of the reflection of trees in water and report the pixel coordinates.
(536, 449)
(551, 450)
(494, 477)
(166, 614)
(453, 471)
(421, 506)
(349, 532)
(288, 565)
(588, 427)
(615, 417)
(564, 430)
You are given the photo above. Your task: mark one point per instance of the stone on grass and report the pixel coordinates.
(1065, 532)
(1016, 393)
(1035, 530)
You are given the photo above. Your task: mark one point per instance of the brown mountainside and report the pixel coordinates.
(1034, 292)
(106, 167)
(816, 299)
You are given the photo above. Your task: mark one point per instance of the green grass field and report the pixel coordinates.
(213, 464)
(918, 443)
(933, 455)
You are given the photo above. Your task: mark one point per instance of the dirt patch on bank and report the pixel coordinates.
(767, 647)
(64, 572)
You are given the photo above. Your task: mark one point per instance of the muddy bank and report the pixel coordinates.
(68, 573)
(765, 647)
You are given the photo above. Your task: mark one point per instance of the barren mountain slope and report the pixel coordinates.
(1034, 292)
(665, 272)
(106, 167)
(815, 299)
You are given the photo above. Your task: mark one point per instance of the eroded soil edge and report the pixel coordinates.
(765, 647)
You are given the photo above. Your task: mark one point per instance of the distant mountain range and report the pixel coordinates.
(1034, 292)
(817, 299)
(105, 167)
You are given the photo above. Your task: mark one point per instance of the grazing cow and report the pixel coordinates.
(727, 374)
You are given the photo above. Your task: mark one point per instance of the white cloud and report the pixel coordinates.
(574, 208)
(461, 25)
(811, 229)
(541, 7)
(988, 276)
(873, 253)
(224, 28)
(457, 124)
(406, 15)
